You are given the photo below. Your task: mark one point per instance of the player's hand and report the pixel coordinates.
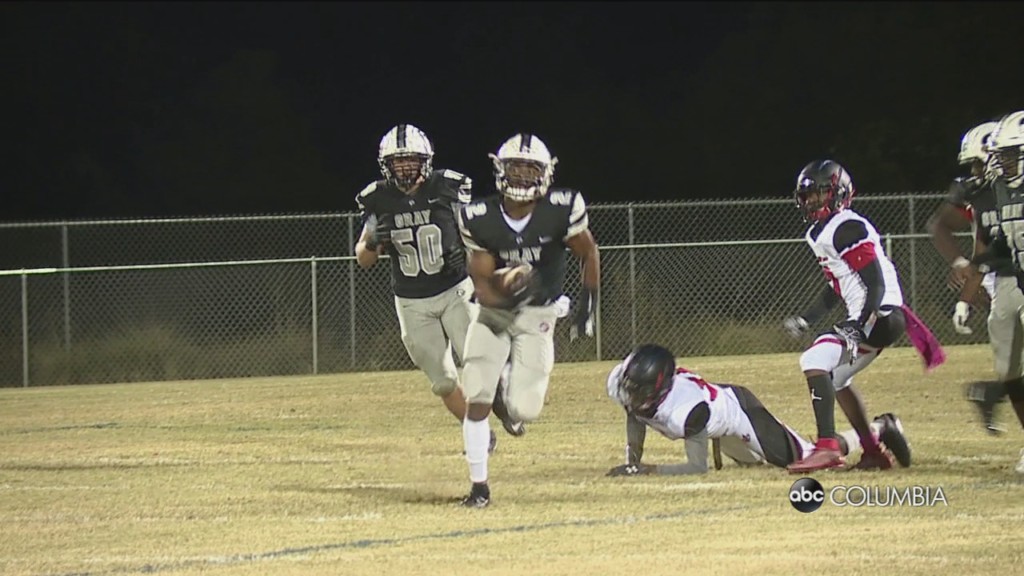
(521, 293)
(381, 234)
(454, 260)
(852, 333)
(583, 319)
(632, 470)
(960, 316)
(957, 277)
(795, 326)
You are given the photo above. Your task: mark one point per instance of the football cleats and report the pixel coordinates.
(523, 168)
(822, 189)
(974, 145)
(646, 378)
(1008, 148)
(405, 156)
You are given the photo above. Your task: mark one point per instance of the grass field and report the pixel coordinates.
(358, 474)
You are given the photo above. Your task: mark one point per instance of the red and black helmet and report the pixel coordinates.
(646, 378)
(832, 183)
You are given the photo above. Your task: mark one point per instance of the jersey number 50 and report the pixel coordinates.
(425, 255)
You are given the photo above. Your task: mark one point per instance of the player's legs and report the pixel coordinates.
(458, 313)
(827, 352)
(508, 422)
(425, 341)
(486, 352)
(1006, 336)
(762, 432)
(533, 357)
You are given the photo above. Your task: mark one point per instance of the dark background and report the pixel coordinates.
(165, 109)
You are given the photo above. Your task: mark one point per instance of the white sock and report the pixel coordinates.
(852, 441)
(476, 435)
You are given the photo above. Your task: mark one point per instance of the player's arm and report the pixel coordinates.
(696, 444)
(367, 250)
(943, 223)
(852, 245)
(481, 264)
(981, 256)
(583, 246)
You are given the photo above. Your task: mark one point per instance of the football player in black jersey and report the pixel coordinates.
(1008, 186)
(410, 215)
(526, 223)
(955, 214)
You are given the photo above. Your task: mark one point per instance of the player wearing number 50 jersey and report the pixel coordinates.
(410, 215)
(681, 405)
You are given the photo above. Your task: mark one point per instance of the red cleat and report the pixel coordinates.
(826, 456)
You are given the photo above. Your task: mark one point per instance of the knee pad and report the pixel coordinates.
(824, 354)
(444, 386)
(1015, 389)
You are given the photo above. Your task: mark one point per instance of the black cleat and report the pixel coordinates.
(985, 395)
(894, 439)
(513, 427)
(479, 496)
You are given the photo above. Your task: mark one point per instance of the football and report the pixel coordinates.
(511, 279)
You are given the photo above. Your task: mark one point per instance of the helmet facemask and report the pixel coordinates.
(406, 170)
(815, 203)
(645, 381)
(522, 180)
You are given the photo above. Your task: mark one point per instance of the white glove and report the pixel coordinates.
(795, 326)
(963, 311)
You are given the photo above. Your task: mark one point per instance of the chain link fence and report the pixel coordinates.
(153, 300)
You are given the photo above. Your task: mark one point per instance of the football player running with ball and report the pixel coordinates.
(526, 229)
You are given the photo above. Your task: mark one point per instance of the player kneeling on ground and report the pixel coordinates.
(682, 405)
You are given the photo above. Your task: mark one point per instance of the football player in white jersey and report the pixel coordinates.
(681, 405)
(859, 274)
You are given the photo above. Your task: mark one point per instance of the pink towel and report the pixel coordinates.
(923, 339)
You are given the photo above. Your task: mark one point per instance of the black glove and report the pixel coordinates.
(852, 333)
(583, 319)
(455, 260)
(631, 470)
(380, 232)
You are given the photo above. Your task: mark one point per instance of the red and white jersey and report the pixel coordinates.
(840, 261)
(688, 390)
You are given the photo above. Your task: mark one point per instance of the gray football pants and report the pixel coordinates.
(1006, 328)
(434, 327)
(526, 341)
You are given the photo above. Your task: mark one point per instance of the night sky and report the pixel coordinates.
(173, 109)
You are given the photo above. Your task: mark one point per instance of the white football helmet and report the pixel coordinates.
(523, 168)
(974, 145)
(405, 156)
(1008, 148)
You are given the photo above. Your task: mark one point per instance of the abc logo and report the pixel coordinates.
(806, 495)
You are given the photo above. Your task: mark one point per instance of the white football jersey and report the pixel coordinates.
(840, 267)
(688, 390)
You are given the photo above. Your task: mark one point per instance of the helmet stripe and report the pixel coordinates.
(401, 136)
(526, 143)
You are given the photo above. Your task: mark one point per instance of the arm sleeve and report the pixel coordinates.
(636, 433)
(696, 457)
(858, 251)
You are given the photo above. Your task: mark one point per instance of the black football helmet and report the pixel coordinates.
(831, 187)
(646, 378)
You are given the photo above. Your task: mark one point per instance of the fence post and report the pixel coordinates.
(913, 253)
(351, 294)
(632, 280)
(65, 261)
(315, 305)
(24, 330)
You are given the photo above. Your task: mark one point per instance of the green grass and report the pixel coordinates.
(357, 474)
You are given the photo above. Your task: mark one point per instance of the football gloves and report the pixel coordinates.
(455, 260)
(852, 333)
(380, 233)
(960, 316)
(631, 470)
(795, 326)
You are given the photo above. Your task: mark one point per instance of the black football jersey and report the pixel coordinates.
(558, 216)
(423, 230)
(985, 213)
(1010, 203)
